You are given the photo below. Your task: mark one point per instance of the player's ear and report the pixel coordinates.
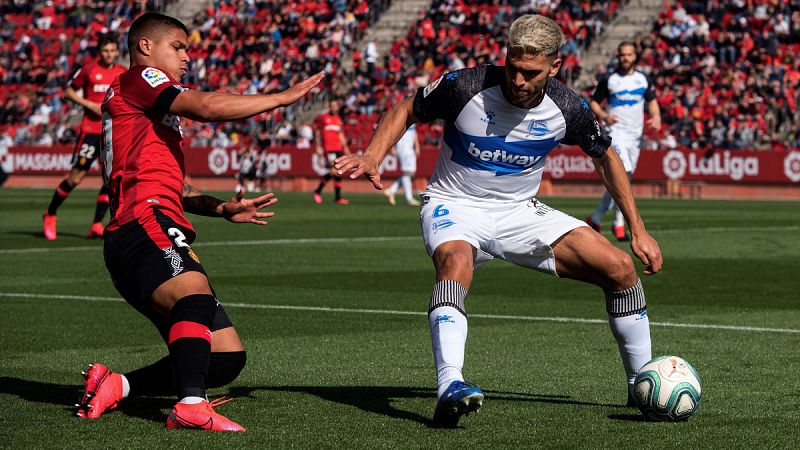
(145, 46)
(555, 66)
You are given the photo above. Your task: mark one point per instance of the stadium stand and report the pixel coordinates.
(726, 72)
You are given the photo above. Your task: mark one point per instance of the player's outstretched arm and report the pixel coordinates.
(644, 246)
(220, 106)
(237, 209)
(389, 131)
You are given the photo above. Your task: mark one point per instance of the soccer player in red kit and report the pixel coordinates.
(147, 241)
(94, 80)
(331, 144)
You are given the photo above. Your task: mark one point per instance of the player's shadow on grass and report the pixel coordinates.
(380, 399)
(66, 395)
(39, 235)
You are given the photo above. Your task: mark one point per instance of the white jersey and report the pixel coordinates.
(493, 151)
(626, 95)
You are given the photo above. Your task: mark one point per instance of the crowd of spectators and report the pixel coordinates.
(240, 46)
(727, 73)
(454, 34)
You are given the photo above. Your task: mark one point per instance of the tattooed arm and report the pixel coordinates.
(201, 204)
(237, 209)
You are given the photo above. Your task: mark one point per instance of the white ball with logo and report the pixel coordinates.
(667, 388)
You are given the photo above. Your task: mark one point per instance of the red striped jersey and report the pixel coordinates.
(330, 126)
(94, 79)
(142, 152)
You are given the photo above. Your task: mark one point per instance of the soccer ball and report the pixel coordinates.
(667, 389)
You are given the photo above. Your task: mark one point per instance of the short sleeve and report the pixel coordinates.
(584, 131)
(444, 97)
(149, 88)
(650, 93)
(601, 91)
(78, 78)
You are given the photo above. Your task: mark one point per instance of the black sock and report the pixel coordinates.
(337, 188)
(158, 379)
(102, 205)
(189, 343)
(61, 194)
(322, 182)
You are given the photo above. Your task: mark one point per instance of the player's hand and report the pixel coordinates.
(246, 210)
(654, 123)
(647, 250)
(359, 165)
(300, 89)
(611, 119)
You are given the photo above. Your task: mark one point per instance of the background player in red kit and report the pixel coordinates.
(147, 242)
(94, 80)
(331, 144)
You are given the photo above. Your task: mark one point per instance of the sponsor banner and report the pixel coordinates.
(563, 163)
(56, 160)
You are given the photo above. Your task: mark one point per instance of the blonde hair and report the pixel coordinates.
(533, 34)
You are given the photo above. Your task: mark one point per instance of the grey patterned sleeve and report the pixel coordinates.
(446, 96)
(582, 127)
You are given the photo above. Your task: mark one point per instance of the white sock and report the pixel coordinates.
(633, 338)
(605, 204)
(619, 219)
(126, 387)
(406, 180)
(449, 338)
(627, 316)
(393, 188)
(192, 400)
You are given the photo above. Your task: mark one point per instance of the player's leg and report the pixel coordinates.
(586, 256)
(408, 190)
(49, 218)
(451, 233)
(596, 219)
(191, 306)
(337, 189)
(447, 320)
(391, 191)
(97, 229)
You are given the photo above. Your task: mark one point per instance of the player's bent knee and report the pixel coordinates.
(225, 367)
(453, 257)
(620, 271)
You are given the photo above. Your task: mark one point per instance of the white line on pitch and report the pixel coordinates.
(376, 239)
(417, 313)
(229, 243)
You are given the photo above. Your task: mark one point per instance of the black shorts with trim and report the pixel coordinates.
(86, 149)
(138, 266)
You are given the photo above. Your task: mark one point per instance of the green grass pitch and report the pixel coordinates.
(330, 301)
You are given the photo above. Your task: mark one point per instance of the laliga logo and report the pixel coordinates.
(719, 164)
(791, 166)
(674, 165)
(218, 161)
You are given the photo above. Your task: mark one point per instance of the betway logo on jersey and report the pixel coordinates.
(494, 153)
(627, 98)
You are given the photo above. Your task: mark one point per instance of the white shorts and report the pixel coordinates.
(408, 161)
(521, 233)
(628, 150)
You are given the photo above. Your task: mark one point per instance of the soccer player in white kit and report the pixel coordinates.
(626, 90)
(407, 150)
(500, 123)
